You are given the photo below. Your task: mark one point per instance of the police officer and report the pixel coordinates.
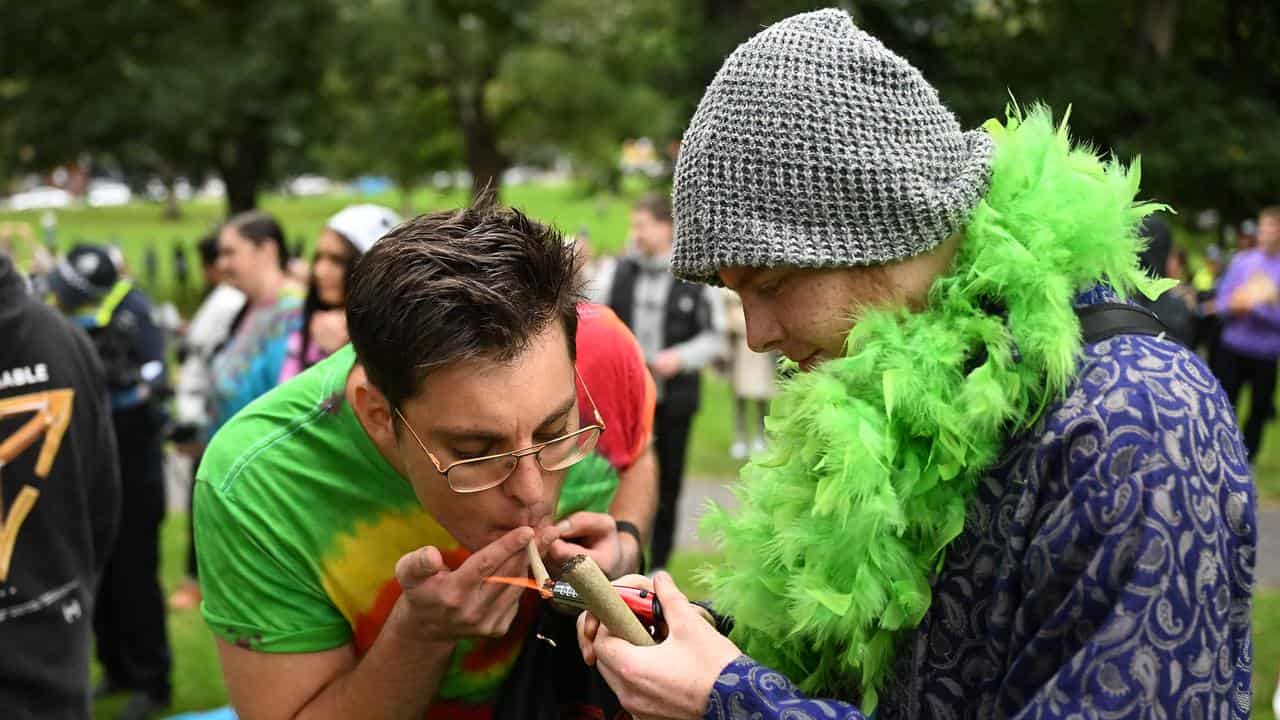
(129, 621)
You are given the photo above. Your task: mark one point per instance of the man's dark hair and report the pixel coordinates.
(258, 228)
(207, 246)
(478, 282)
(656, 204)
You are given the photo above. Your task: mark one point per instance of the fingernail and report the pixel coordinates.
(564, 526)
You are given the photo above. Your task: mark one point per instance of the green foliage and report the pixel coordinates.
(164, 87)
(256, 91)
(583, 84)
(383, 119)
(1193, 86)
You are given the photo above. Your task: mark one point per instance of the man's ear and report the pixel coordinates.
(372, 409)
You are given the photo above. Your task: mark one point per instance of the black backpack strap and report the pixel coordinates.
(1098, 322)
(1106, 320)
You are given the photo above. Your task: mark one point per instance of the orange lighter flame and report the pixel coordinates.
(523, 582)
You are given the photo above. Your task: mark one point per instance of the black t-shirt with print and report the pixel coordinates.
(60, 489)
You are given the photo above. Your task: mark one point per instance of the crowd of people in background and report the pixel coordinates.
(88, 285)
(261, 321)
(1228, 309)
(255, 327)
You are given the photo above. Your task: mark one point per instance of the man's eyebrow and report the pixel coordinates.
(459, 434)
(559, 412)
(466, 434)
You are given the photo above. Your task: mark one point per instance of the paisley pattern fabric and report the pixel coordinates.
(1105, 570)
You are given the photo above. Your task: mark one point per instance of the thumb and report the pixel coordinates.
(676, 608)
(609, 650)
(417, 567)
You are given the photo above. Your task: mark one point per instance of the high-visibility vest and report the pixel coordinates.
(91, 317)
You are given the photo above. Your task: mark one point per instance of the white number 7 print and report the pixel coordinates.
(51, 414)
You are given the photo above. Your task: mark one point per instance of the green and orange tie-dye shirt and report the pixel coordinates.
(299, 522)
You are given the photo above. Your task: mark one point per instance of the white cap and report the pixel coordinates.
(363, 225)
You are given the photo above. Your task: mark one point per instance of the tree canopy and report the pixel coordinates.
(255, 91)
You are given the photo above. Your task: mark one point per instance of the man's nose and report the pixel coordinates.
(763, 332)
(525, 483)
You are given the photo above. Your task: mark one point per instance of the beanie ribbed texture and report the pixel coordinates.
(815, 146)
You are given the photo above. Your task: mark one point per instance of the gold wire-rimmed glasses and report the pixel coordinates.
(475, 475)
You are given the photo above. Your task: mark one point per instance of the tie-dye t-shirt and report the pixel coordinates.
(299, 522)
(249, 363)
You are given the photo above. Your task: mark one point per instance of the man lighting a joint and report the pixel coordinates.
(999, 490)
(346, 521)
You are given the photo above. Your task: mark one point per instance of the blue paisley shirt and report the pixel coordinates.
(1105, 569)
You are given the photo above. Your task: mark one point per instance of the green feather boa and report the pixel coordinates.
(875, 455)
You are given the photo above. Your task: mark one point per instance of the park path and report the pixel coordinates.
(698, 489)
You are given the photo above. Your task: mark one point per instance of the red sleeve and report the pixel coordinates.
(612, 368)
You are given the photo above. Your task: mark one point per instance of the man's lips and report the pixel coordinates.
(810, 362)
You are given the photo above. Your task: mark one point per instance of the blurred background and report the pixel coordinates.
(143, 123)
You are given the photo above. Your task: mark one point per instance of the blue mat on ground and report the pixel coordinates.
(222, 713)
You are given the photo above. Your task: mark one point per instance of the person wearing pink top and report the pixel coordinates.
(346, 237)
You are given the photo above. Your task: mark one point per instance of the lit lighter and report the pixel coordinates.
(643, 603)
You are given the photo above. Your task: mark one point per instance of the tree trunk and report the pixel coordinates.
(172, 208)
(485, 161)
(242, 164)
(406, 197)
(1159, 22)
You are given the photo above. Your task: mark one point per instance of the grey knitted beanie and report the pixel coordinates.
(816, 146)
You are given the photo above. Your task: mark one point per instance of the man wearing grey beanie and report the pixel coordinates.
(999, 489)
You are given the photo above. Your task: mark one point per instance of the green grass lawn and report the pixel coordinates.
(197, 679)
(139, 226)
(1266, 651)
(712, 432)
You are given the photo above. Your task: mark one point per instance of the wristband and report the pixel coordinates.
(631, 529)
